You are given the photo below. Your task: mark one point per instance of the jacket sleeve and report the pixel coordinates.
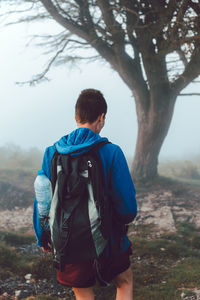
(122, 189)
(45, 170)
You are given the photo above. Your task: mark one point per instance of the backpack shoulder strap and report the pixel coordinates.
(95, 153)
(99, 145)
(53, 170)
(97, 176)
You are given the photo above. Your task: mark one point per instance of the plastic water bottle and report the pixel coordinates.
(43, 192)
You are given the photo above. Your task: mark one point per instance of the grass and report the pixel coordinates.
(12, 263)
(183, 169)
(42, 267)
(163, 268)
(157, 291)
(42, 297)
(186, 273)
(159, 183)
(190, 181)
(16, 238)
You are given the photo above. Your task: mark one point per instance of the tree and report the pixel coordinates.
(153, 45)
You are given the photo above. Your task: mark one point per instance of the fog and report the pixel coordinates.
(13, 157)
(38, 116)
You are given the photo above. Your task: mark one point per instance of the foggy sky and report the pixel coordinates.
(38, 116)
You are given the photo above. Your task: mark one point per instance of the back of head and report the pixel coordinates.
(90, 105)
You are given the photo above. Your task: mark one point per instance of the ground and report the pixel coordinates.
(165, 240)
(167, 203)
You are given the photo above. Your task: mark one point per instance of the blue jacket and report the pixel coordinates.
(118, 180)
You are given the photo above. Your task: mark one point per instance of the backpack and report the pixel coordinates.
(80, 215)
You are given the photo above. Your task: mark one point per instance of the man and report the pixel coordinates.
(90, 113)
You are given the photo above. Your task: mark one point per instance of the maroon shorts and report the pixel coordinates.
(83, 275)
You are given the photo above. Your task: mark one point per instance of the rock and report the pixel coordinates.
(165, 208)
(162, 208)
(16, 219)
(160, 216)
(28, 276)
(166, 220)
(167, 194)
(183, 295)
(20, 294)
(196, 219)
(5, 296)
(17, 293)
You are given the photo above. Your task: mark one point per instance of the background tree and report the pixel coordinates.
(153, 45)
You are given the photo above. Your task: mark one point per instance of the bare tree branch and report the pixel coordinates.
(11, 12)
(150, 27)
(42, 76)
(66, 23)
(111, 23)
(153, 45)
(191, 72)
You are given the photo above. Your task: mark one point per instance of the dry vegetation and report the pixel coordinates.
(17, 172)
(13, 157)
(182, 169)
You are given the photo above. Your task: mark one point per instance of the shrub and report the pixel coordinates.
(15, 239)
(12, 263)
(180, 169)
(42, 267)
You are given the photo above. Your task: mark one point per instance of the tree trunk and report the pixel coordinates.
(153, 124)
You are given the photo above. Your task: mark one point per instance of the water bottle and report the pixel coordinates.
(43, 192)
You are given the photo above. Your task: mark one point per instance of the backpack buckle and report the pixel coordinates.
(89, 164)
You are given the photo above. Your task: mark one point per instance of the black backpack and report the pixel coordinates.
(80, 216)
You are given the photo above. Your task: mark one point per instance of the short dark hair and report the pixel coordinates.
(90, 105)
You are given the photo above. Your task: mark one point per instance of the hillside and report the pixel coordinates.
(16, 189)
(19, 178)
(165, 240)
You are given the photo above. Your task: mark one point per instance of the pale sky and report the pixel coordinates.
(38, 116)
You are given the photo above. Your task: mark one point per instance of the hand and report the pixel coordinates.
(47, 248)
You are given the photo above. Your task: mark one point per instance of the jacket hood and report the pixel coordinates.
(79, 140)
